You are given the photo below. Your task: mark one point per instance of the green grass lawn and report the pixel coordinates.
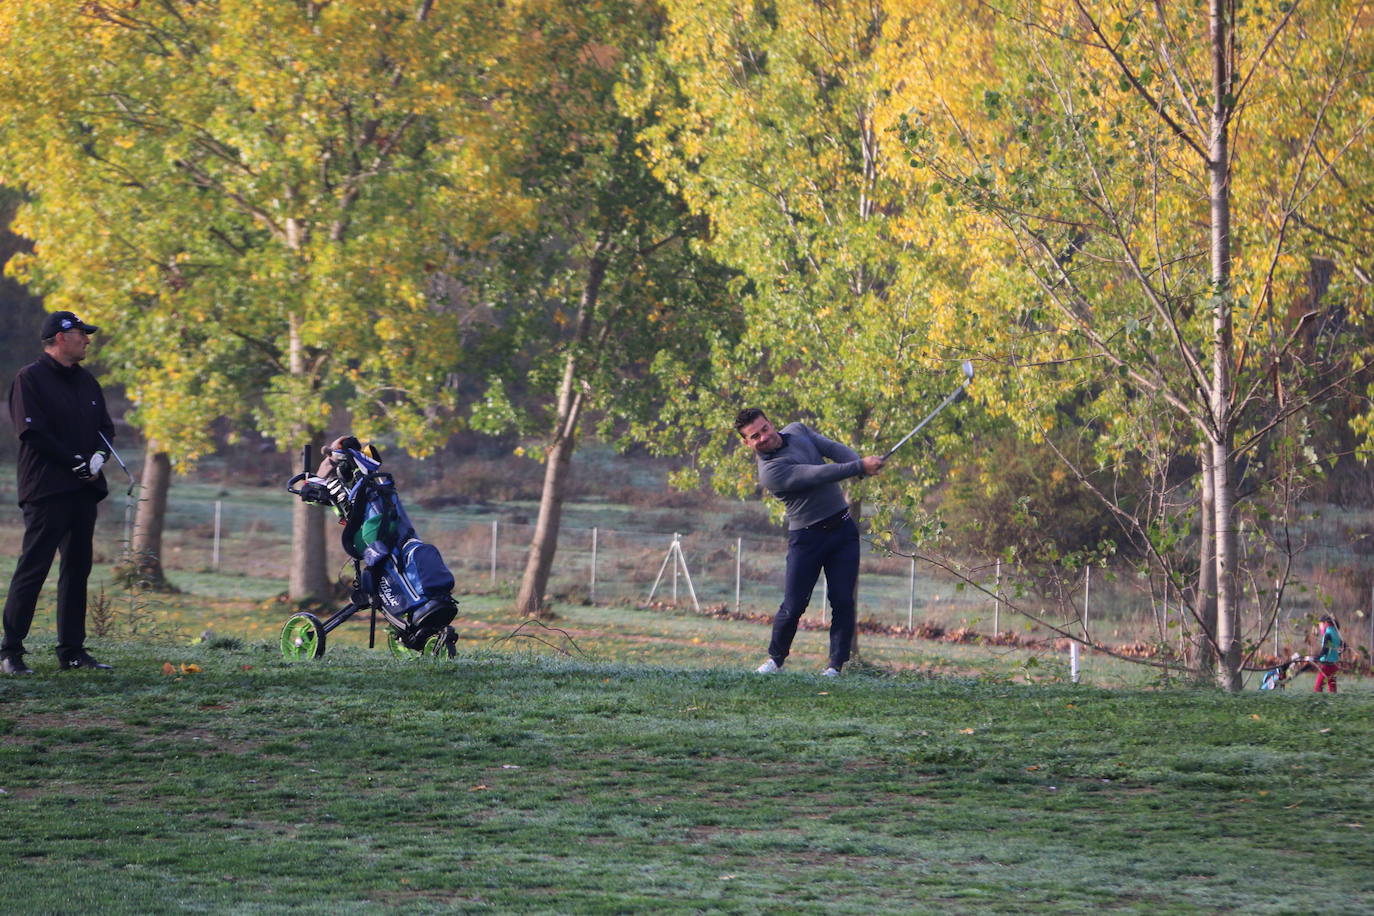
(514, 779)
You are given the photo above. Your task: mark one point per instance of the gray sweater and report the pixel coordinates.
(798, 474)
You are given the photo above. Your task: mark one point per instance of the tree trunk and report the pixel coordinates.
(539, 562)
(529, 602)
(1205, 602)
(1222, 433)
(309, 578)
(856, 509)
(150, 517)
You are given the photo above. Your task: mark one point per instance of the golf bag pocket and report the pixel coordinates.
(424, 567)
(406, 578)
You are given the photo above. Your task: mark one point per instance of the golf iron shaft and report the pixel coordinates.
(968, 377)
(111, 447)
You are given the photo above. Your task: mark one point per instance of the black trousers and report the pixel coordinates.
(65, 523)
(809, 550)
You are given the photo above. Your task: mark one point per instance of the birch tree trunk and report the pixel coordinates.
(529, 602)
(856, 509)
(1205, 602)
(1222, 433)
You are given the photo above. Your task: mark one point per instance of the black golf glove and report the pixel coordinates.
(82, 468)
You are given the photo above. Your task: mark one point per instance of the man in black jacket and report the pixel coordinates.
(64, 429)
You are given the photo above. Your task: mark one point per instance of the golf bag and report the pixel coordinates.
(1277, 678)
(397, 575)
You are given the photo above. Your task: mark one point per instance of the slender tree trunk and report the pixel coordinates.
(309, 578)
(529, 602)
(1222, 434)
(856, 509)
(539, 561)
(1206, 599)
(150, 517)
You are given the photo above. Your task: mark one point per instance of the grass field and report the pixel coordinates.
(649, 770)
(520, 782)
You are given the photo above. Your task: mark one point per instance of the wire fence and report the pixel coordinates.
(487, 554)
(250, 537)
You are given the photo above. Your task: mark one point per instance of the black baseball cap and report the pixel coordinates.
(63, 321)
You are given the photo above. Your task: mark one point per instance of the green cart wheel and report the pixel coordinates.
(398, 648)
(302, 636)
(444, 644)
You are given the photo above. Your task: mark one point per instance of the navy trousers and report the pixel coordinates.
(67, 523)
(810, 550)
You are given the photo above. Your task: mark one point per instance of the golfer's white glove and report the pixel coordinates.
(97, 462)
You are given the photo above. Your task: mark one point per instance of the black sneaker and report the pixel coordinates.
(14, 664)
(83, 659)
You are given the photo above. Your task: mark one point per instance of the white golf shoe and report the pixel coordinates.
(769, 667)
(831, 672)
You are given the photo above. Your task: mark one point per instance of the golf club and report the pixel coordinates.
(130, 491)
(968, 377)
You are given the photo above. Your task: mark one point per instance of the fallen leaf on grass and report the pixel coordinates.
(823, 693)
(1292, 806)
(1323, 731)
(479, 788)
(728, 877)
(190, 669)
(965, 731)
(1255, 716)
(1357, 826)
(1032, 768)
(168, 668)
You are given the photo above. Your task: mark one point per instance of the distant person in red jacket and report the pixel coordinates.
(1328, 655)
(64, 432)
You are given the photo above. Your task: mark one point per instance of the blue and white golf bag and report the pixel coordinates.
(399, 574)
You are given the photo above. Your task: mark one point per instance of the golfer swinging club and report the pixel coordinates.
(821, 534)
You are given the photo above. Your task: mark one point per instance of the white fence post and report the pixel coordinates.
(493, 551)
(739, 560)
(1087, 577)
(214, 556)
(911, 599)
(997, 602)
(593, 585)
(1073, 661)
